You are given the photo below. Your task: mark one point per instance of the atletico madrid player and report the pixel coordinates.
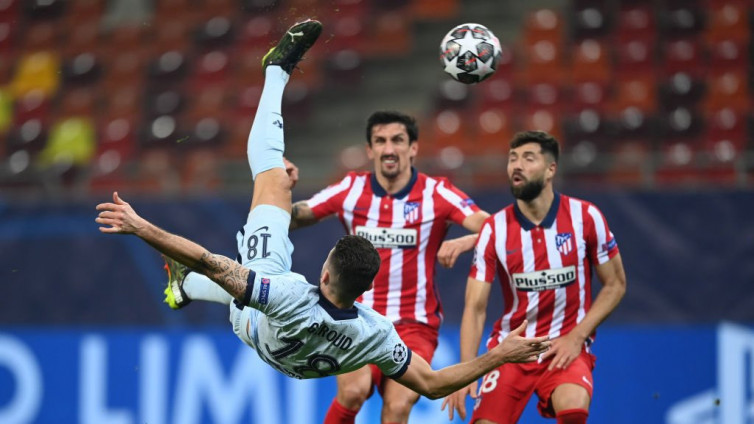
(543, 247)
(405, 214)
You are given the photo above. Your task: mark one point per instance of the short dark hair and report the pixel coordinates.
(355, 262)
(388, 117)
(546, 142)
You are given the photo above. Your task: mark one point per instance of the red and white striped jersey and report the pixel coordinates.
(407, 228)
(544, 270)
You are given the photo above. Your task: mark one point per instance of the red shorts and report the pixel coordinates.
(420, 338)
(506, 390)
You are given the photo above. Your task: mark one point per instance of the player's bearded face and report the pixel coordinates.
(527, 169)
(390, 150)
(529, 189)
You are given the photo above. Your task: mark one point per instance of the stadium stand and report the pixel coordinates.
(620, 81)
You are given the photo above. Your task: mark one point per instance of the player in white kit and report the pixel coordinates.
(302, 330)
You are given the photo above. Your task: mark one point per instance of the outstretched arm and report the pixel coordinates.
(421, 378)
(120, 218)
(451, 249)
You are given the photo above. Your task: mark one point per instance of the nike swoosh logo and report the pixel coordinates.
(587, 381)
(266, 228)
(510, 252)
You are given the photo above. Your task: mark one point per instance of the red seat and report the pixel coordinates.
(629, 164)
(494, 131)
(348, 27)
(32, 106)
(390, 34)
(678, 164)
(727, 54)
(727, 89)
(211, 68)
(450, 128)
(590, 62)
(83, 37)
(8, 29)
(727, 124)
(345, 68)
(544, 24)
(637, 91)
(259, 32)
(434, 9)
(636, 21)
(635, 56)
(215, 32)
(728, 21)
(39, 36)
(545, 95)
(544, 62)
(589, 95)
(452, 94)
(199, 171)
(499, 93)
(9, 9)
(542, 119)
(683, 55)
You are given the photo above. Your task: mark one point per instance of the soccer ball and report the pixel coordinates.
(470, 53)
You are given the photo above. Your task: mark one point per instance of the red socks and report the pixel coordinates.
(339, 414)
(572, 416)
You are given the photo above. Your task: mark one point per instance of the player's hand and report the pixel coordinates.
(118, 217)
(457, 401)
(292, 171)
(564, 351)
(451, 249)
(515, 348)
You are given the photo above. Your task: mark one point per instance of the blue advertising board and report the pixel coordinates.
(648, 374)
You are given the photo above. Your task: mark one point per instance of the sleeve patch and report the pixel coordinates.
(264, 291)
(403, 369)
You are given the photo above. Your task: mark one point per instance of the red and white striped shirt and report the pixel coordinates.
(544, 270)
(407, 229)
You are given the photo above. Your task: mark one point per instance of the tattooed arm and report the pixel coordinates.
(120, 218)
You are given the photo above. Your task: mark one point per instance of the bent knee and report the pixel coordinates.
(352, 396)
(398, 410)
(570, 396)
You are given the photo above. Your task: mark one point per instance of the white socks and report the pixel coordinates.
(199, 287)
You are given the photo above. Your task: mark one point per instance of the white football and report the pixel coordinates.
(470, 53)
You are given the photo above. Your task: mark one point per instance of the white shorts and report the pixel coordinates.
(263, 243)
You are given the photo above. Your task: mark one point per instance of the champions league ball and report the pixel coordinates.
(470, 53)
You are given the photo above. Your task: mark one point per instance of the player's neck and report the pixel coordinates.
(335, 300)
(536, 209)
(394, 185)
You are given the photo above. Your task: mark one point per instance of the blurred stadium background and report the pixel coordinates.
(651, 99)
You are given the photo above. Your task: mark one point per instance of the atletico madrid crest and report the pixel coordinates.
(564, 243)
(411, 212)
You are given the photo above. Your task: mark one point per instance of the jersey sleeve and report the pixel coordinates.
(456, 204)
(276, 296)
(393, 356)
(330, 200)
(485, 258)
(601, 244)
